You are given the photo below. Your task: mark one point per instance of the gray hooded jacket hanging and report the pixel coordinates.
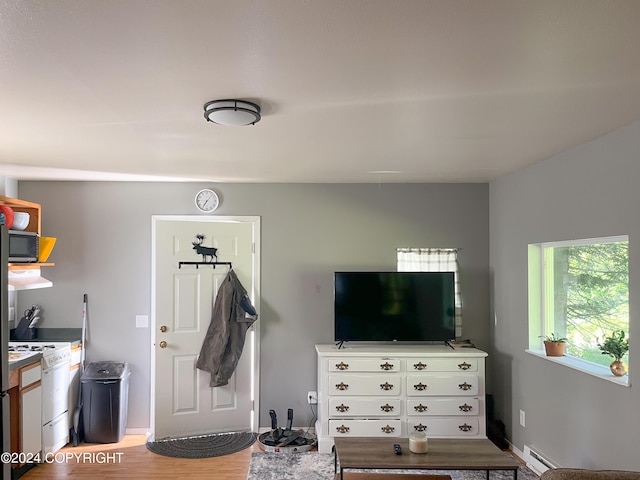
(232, 316)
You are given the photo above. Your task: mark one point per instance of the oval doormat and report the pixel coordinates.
(203, 446)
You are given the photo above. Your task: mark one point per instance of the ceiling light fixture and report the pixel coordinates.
(232, 112)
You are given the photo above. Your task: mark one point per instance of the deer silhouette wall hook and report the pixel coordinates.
(204, 251)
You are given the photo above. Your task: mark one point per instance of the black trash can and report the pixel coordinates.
(105, 392)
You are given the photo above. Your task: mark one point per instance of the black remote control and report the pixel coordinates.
(397, 449)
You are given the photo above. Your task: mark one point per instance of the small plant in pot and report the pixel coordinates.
(617, 346)
(554, 345)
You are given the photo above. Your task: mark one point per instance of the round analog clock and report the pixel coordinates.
(207, 200)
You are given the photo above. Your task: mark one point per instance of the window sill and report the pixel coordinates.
(585, 367)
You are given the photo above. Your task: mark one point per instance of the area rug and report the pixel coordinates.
(203, 446)
(320, 466)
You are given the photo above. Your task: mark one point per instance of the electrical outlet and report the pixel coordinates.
(522, 418)
(312, 398)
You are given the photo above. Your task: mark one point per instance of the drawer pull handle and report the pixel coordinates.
(386, 386)
(419, 366)
(342, 386)
(465, 386)
(465, 408)
(421, 386)
(464, 366)
(420, 408)
(420, 427)
(465, 427)
(386, 366)
(386, 408)
(388, 429)
(342, 366)
(342, 429)
(342, 408)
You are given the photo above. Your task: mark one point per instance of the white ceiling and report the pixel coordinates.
(431, 90)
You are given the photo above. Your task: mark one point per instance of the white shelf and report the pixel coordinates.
(583, 366)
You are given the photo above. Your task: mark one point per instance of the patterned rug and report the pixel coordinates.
(320, 466)
(203, 446)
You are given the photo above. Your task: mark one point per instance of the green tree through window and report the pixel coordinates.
(591, 295)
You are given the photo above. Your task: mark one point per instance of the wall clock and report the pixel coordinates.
(207, 200)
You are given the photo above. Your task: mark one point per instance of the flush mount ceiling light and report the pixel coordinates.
(232, 112)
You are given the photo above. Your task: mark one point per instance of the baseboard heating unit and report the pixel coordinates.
(536, 461)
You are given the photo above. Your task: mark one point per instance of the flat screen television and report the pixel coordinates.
(394, 306)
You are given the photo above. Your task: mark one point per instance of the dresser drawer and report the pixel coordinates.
(428, 406)
(365, 428)
(444, 427)
(364, 365)
(430, 364)
(442, 385)
(363, 384)
(356, 406)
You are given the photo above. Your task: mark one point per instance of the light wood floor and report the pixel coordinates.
(130, 459)
(136, 462)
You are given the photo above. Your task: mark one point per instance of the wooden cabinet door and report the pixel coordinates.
(31, 427)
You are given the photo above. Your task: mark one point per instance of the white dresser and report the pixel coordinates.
(375, 391)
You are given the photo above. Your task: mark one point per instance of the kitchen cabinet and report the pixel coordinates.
(25, 394)
(31, 407)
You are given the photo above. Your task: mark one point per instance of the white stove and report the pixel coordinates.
(53, 353)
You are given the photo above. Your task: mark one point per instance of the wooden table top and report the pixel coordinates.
(443, 454)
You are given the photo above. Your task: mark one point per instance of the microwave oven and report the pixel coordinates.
(24, 247)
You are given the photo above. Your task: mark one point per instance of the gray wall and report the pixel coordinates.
(589, 191)
(308, 232)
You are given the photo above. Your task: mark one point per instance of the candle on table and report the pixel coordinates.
(418, 442)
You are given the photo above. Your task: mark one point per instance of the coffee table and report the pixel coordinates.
(444, 454)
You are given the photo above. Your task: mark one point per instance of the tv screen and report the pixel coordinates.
(394, 306)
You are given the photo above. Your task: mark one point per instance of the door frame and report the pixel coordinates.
(253, 334)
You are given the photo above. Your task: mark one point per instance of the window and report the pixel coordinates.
(433, 260)
(579, 290)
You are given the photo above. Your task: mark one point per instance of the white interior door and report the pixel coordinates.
(183, 299)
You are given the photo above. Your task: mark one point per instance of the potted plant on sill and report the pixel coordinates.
(617, 346)
(554, 345)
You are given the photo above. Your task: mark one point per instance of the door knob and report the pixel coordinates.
(163, 344)
(163, 328)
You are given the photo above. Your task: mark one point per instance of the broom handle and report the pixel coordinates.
(84, 329)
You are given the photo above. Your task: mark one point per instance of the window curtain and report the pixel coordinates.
(434, 260)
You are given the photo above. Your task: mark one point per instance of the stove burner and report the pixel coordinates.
(31, 348)
(19, 348)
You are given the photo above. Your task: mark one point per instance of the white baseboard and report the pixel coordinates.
(137, 431)
(518, 453)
